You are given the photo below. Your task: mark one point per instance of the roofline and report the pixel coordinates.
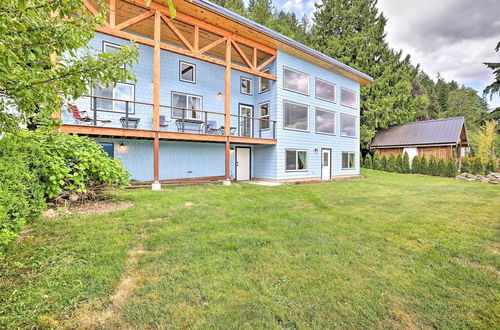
(388, 146)
(428, 121)
(278, 36)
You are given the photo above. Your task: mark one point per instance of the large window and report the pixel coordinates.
(109, 148)
(325, 121)
(296, 160)
(187, 72)
(296, 116)
(108, 47)
(264, 114)
(264, 83)
(347, 125)
(325, 90)
(189, 102)
(295, 81)
(348, 98)
(119, 93)
(246, 86)
(348, 160)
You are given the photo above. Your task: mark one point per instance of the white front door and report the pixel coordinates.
(326, 165)
(242, 164)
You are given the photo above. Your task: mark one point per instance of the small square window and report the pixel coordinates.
(246, 86)
(264, 116)
(264, 83)
(348, 98)
(187, 72)
(108, 47)
(296, 160)
(348, 160)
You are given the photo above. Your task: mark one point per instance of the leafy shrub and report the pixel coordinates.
(441, 167)
(491, 166)
(383, 163)
(451, 168)
(405, 165)
(368, 161)
(415, 165)
(377, 162)
(424, 167)
(466, 165)
(477, 166)
(399, 163)
(432, 169)
(391, 163)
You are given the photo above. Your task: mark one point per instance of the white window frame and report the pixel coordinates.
(328, 83)
(199, 114)
(267, 70)
(355, 98)
(181, 63)
(106, 44)
(291, 90)
(355, 126)
(348, 158)
(268, 116)
(316, 121)
(291, 128)
(131, 105)
(250, 82)
(297, 160)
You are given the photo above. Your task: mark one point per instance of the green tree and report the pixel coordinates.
(424, 167)
(399, 163)
(484, 140)
(415, 165)
(441, 167)
(368, 161)
(494, 87)
(465, 102)
(491, 166)
(377, 162)
(478, 166)
(391, 163)
(432, 167)
(466, 165)
(383, 162)
(37, 83)
(261, 11)
(451, 168)
(405, 167)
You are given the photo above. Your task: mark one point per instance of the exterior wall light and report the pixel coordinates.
(219, 96)
(122, 147)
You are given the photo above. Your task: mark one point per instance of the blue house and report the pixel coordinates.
(220, 97)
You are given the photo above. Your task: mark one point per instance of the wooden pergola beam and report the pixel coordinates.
(213, 44)
(134, 20)
(243, 56)
(176, 31)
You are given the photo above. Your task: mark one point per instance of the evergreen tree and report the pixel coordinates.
(236, 6)
(491, 166)
(466, 165)
(368, 161)
(383, 162)
(399, 164)
(415, 165)
(261, 11)
(432, 167)
(494, 87)
(391, 163)
(477, 166)
(465, 102)
(424, 167)
(441, 167)
(405, 167)
(377, 162)
(451, 168)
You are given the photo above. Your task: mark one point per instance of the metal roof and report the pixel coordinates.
(280, 37)
(440, 131)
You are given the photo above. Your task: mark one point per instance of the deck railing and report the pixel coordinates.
(120, 113)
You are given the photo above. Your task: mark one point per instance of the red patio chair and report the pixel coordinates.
(82, 117)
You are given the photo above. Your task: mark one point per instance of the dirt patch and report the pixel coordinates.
(188, 204)
(157, 220)
(26, 232)
(87, 208)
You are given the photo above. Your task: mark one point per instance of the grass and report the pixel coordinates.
(388, 250)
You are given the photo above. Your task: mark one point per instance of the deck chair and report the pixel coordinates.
(163, 123)
(81, 117)
(212, 127)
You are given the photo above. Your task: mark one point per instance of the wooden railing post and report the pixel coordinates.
(156, 101)
(227, 109)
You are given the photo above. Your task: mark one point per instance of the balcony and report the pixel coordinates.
(104, 116)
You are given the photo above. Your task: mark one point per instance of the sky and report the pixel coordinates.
(450, 37)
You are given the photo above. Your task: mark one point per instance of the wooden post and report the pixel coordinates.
(227, 175)
(227, 107)
(156, 102)
(196, 41)
(112, 14)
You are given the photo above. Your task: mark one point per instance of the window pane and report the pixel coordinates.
(325, 121)
(345, 160)
(187, 72)
(351, 160)
(110, 48)
(348, 125)
(296, 81)
(264, 83)
(302, 160)
(102, 104)
(291, 160)
(180, 101)
(109, 148)
(348, 98)
(264, 114)
(194, 102)
(296, 116)
(325, 90)
(123, 92)
(246, 86)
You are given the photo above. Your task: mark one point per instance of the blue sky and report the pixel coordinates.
(452, 37)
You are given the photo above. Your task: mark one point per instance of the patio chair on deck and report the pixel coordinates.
(212, 127)
(163, 123)
(81, 117)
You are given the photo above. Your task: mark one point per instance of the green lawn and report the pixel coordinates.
(386, 251)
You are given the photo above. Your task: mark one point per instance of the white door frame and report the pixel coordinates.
(237, 163)
(329, 151)
(248, 106)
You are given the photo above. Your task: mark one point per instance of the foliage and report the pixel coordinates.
(494, 87)
(432, 167)
(478, 166)
(368, 161)
(405, 166)
(383, 163)
(491, 165)
(399, 163)
(465, 102)
(45, 59)
(451, 168)
(441, 167)
(391, 163)
(466, 166)
(415, 165)
(484, 140)
(377, 162)
(424, 166)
